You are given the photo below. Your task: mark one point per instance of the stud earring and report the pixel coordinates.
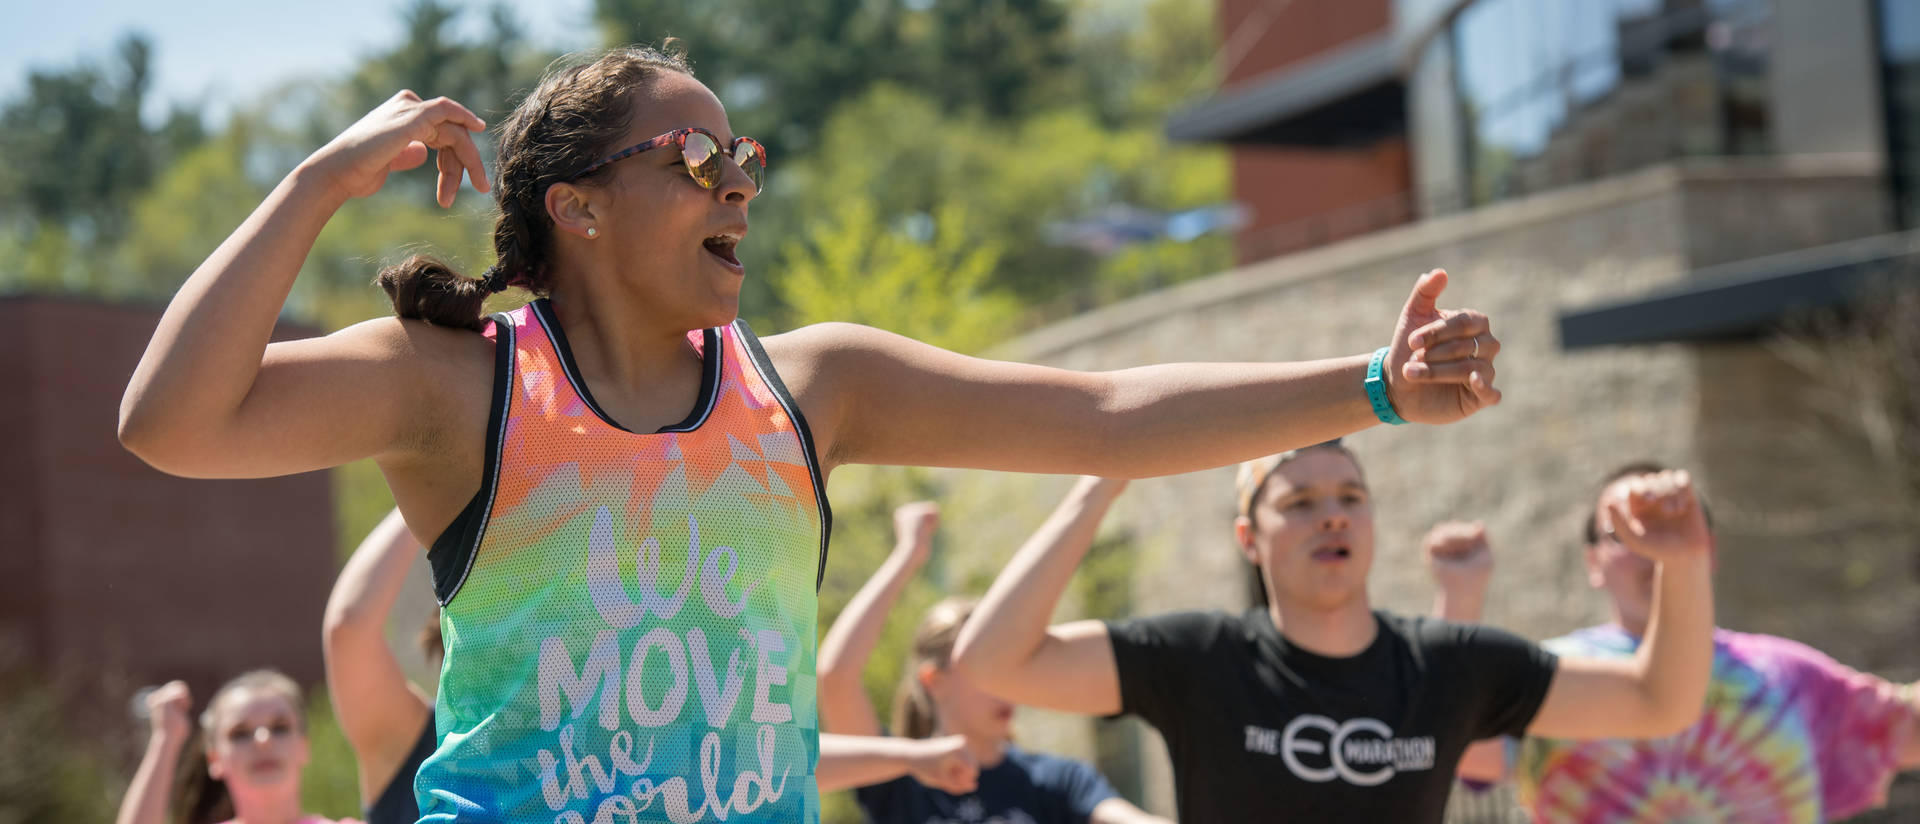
(592, 232)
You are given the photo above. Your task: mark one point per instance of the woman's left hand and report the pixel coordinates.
(1439, 367)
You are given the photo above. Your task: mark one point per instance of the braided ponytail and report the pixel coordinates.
(423, 288)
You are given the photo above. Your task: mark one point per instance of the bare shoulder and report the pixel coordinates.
(436, 380)
(826, 351)
(415, 344)
(445, 379)
(872, 396)
(812, 362)
(831, 339)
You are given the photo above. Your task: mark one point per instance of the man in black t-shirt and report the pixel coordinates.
(1314, 705)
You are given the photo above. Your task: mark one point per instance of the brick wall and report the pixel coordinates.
(116, 575)
(1283, 187)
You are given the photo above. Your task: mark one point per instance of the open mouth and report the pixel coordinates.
(722, 246)
(1333, 552)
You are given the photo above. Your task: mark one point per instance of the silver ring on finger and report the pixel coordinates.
(1476, 347)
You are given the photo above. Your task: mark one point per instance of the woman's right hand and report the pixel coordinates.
(397, 136)
(170, 711)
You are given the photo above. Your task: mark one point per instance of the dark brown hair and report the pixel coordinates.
(568, 123)
(431, 643)
(199, 798)
(914, 715)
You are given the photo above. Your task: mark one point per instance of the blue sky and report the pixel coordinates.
(224, 52)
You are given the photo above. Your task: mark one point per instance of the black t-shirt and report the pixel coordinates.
(396, 804)
(1024, 788)
(1259, 729)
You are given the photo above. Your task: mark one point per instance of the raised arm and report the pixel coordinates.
(848, 761)
(380, 711)
(873, 397)
(169, 712)
(1660, 691)
(844, 707)
(1006, 647)
(1461, 562)
(211, 398)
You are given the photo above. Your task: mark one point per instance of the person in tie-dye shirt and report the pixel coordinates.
(1788, 734)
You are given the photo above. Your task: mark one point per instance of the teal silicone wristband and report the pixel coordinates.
(1376, 384)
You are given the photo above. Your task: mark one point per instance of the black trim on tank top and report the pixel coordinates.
(452, 554)
(710, 362)
(768, 375)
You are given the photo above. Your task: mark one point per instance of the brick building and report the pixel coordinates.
(114, 575)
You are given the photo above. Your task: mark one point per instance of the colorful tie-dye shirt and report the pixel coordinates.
(630, 616)
(1787, 735)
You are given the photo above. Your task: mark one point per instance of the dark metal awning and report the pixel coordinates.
(1351, 96)
(1743, 299)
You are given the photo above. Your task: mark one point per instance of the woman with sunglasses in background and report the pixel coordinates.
(621, 487)
(256, 745)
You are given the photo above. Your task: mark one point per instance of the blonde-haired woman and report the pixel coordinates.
(256, 746)
(1013, 785)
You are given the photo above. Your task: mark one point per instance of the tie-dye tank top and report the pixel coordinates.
(630, 617)
(1788, 735)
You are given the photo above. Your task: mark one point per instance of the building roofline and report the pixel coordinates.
(1254, 111)
(1741, 299)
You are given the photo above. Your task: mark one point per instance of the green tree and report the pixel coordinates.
(69, 781)
(896, 149)
(330, 786)
(179, 220)
(77, 152)
(1000, 57)
(784, 66)
(483, 73)
(1137, 64)
(938, 290)
(488, 74)
(73, 144)
(780, 66)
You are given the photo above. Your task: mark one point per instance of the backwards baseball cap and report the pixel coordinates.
(1254, 474)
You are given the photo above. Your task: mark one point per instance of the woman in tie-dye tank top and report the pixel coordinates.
(621, 486)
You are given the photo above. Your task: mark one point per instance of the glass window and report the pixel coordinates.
(1900, 81)
(1554, 92)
